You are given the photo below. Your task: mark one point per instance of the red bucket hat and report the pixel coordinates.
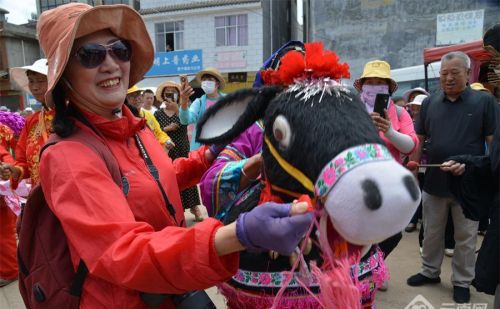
(58, 28)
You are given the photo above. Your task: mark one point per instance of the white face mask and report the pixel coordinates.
(208, 86)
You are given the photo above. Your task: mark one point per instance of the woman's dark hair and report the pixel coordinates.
(63, 123)
(64, 119)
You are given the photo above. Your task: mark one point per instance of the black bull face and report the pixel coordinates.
(330, 143)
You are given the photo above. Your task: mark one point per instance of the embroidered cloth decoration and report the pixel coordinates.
(347, 160)
(14, 198)
(269, 279)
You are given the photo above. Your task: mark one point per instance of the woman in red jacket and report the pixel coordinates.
(8, 261)
(131, 242)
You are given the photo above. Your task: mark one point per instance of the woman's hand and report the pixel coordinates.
(10, 171)
(250, 171)
(169, 144)
(186, 92)
(171, 127)
(252, 167)
(271, 226)
(381, 123)
(453, 167)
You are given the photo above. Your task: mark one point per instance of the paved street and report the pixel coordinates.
(403, 262)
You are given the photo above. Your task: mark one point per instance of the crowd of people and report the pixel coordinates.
(132, 235)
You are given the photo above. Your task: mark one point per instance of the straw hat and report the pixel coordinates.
(215, 73)
(58, 28)
(376, 68)
(164, 85)
(406, 94)
(418, 99)
(133, 89)
(18, 74)
(479, 87)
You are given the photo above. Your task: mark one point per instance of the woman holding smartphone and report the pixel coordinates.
(393, 122)
(168, 116)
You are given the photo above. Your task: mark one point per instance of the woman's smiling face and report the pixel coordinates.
(103, 88)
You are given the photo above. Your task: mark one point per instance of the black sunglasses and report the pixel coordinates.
(92, 55)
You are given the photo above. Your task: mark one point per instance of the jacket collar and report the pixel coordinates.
(119, 129)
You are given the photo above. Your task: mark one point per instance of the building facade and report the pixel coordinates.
(44, 5)
(18, 47)
(233, 36)
(395, 30)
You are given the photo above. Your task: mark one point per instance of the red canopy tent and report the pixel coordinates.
(474, 50)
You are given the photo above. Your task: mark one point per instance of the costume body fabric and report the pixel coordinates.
(7, 139)
(259, 276)
(193, 114)
(130, 243)
(220, 184)
(179, 136)
(8, 241)
(33, 136)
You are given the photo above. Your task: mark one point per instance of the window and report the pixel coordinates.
(169, 36)
(50, 4)
(231, 30)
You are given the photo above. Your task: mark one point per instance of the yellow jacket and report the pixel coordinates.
(153, 124)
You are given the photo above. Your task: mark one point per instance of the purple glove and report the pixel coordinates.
(270, 227)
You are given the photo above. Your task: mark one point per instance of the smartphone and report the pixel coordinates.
(381, 102)
(183, 79)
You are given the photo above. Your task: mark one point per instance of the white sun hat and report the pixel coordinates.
(406, 94)
(418, 99)
(18, 74)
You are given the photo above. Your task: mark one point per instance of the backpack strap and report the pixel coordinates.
(77, 285)
(398, 110)
(88, 138)
(91, 139)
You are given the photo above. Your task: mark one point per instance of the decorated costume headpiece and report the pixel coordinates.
(318, 70)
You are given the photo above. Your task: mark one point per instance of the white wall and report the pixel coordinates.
(199, 32)
(146, 4)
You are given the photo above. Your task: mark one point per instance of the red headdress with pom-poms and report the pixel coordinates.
(316, 64)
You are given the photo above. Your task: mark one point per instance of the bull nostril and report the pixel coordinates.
(411, 186)
(372, 197)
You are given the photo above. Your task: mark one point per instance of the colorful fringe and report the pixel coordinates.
(242, 299)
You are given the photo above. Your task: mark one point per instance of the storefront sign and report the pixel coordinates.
(459, 27)
(237, 77)
(176, 62)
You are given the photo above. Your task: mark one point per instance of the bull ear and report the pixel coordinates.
(233, 114)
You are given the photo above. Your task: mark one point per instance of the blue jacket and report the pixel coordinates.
(193, 114)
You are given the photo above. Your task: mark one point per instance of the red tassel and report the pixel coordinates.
(317, 63)
(292, 66)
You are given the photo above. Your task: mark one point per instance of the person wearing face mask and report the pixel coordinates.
(395, 126)
(212, 83)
